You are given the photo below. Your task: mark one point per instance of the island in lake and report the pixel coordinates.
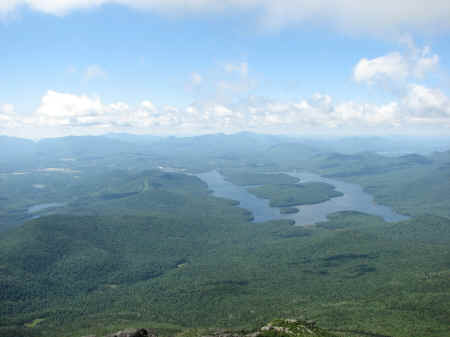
(296, 194)
(247, 178)
(289, 210)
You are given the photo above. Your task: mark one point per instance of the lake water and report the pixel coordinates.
(354, 199)
(41, 207)
(221, 188)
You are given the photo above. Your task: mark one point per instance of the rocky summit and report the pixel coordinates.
(276, 328)
(130, 333)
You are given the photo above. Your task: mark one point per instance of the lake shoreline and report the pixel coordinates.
(353, 198)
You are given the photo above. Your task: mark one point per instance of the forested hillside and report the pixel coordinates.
(155, 248)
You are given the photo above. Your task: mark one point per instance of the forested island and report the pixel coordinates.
(287, 195)
(249, 178)
(289, 210)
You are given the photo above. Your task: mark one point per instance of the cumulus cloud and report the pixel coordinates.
(426, 102)
(374, 16)
(396, 67)
(83, 114)
(392, 66)
(80, 111)
(319, 113)
(62, 105)
(67, 113)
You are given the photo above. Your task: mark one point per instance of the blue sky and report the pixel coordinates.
(189, 67)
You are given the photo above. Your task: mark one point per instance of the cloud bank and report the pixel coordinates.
(422, 108)
(374, 16)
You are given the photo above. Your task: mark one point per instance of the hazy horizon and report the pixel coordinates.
(304, 136)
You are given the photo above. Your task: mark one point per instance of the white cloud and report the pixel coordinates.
(61, 7)
(426, 102)
(62, 105)
(424, 62)
(94, 71)
(82, 111)
(66, 113)
(374, 16)
(392, 67)
(420, 106)
(397, 67)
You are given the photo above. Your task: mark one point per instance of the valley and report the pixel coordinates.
(135, 245)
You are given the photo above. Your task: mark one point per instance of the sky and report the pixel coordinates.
(185, 67)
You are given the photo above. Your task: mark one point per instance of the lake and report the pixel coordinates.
(354, 199)
(41, 207)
